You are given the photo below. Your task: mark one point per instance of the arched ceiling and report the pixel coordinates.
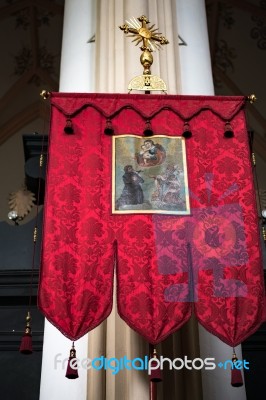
(30, 44)
(237, 35)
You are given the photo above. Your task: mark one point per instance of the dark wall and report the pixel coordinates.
(254, 351)
(20, 374)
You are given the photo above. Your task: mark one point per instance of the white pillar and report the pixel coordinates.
(118, 60)
(166, 61)
(195, 61)
(77, 56)
(76, 75)
(196, 78)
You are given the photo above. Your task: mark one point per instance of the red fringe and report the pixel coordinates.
(156, 374)
(26, 344)
(236, 378)
(71, 373)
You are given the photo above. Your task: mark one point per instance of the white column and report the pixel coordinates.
(195, 61)
(77, 56)
(76, 75)
(118, 61)
(196, 78)
(166, 61)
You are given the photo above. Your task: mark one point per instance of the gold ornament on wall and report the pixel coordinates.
(20, 203)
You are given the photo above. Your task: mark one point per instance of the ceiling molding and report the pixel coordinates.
(23, 82)
(21, 119)
(246, 6)
(259, 143)
(236, 91)
(20, 5)
(16, 88)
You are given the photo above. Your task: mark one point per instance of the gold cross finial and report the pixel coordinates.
(151, 40)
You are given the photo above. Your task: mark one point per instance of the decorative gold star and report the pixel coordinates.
(150, 39)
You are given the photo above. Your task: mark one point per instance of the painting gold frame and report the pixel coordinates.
(149, 175)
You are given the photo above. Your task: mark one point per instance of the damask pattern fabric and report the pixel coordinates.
(167, 266)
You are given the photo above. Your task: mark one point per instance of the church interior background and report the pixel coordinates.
(30, 46)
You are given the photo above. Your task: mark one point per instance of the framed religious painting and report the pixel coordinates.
(149, 175)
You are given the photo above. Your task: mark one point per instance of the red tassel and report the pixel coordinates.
(26, 341)
(236, 378)
(26, 344)
(236, 375)
(156, 374)
(72, 370)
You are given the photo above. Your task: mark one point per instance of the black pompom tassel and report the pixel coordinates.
(69, 127)
(109, 130)
(228, 131)
(148, 130)
(186, 131)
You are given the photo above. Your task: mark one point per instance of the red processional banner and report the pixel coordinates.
(160, 188)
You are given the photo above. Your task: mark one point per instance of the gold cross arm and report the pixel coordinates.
(151, 39)
(149, 36)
